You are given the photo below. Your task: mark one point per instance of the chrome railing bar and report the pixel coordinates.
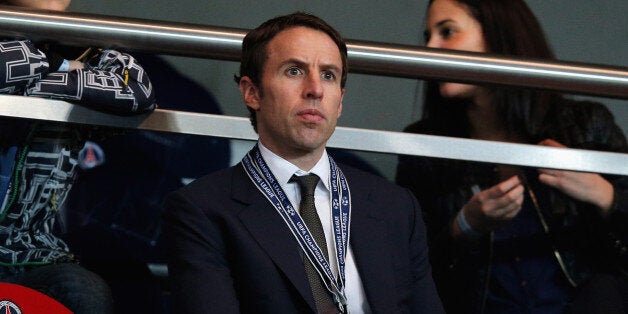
(364, 57)
(344, 137)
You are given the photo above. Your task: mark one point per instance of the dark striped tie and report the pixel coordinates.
(307, 210)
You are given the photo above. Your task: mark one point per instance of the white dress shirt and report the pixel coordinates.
(283, 171)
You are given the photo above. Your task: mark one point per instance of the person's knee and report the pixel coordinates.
(72, 285)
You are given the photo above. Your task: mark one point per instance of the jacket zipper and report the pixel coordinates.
(557, 255)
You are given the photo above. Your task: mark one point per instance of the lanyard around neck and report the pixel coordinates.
(261, 176)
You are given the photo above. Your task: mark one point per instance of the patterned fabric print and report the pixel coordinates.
(44, 182)
(23, 63)
(117, 83)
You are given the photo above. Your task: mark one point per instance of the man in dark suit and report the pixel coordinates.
(235, 239)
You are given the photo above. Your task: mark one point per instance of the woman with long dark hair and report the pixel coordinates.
(506, 238)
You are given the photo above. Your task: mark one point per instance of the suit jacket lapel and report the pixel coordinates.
(371, 250)
(270, 231)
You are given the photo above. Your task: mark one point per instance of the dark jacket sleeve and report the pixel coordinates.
(115, 83)
(200, 277)
(426, 298)
(21, 63)
(605, 131)
(590, 125)
(618, 223)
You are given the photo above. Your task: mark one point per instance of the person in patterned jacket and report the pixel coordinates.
(39, 160)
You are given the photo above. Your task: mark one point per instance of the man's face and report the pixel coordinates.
(299, 98)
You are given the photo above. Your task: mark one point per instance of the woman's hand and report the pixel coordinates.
(586, 187)
(493, 207)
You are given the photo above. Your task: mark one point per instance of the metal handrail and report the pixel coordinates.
(364, 57)
(344, 137)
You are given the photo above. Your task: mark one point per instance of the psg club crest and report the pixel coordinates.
(90, 156)
(8, 307)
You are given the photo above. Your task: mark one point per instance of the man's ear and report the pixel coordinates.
(250, 93)
(342, 96)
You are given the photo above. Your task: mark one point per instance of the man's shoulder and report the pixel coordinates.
(215, 182)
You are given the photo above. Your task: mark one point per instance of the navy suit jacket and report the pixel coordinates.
(230, 251)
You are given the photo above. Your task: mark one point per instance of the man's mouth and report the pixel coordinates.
(310, 115)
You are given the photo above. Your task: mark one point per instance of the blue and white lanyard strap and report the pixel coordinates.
(259, 173)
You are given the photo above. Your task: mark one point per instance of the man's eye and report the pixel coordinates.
(294, 71)
(328, 75)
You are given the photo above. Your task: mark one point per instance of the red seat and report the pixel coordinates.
(16, 299)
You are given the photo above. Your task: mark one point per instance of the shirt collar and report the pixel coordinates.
(283, 169)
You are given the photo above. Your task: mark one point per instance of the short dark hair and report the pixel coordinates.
(254, 52)
(509, 28)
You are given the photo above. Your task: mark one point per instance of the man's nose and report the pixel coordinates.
(313, 86)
